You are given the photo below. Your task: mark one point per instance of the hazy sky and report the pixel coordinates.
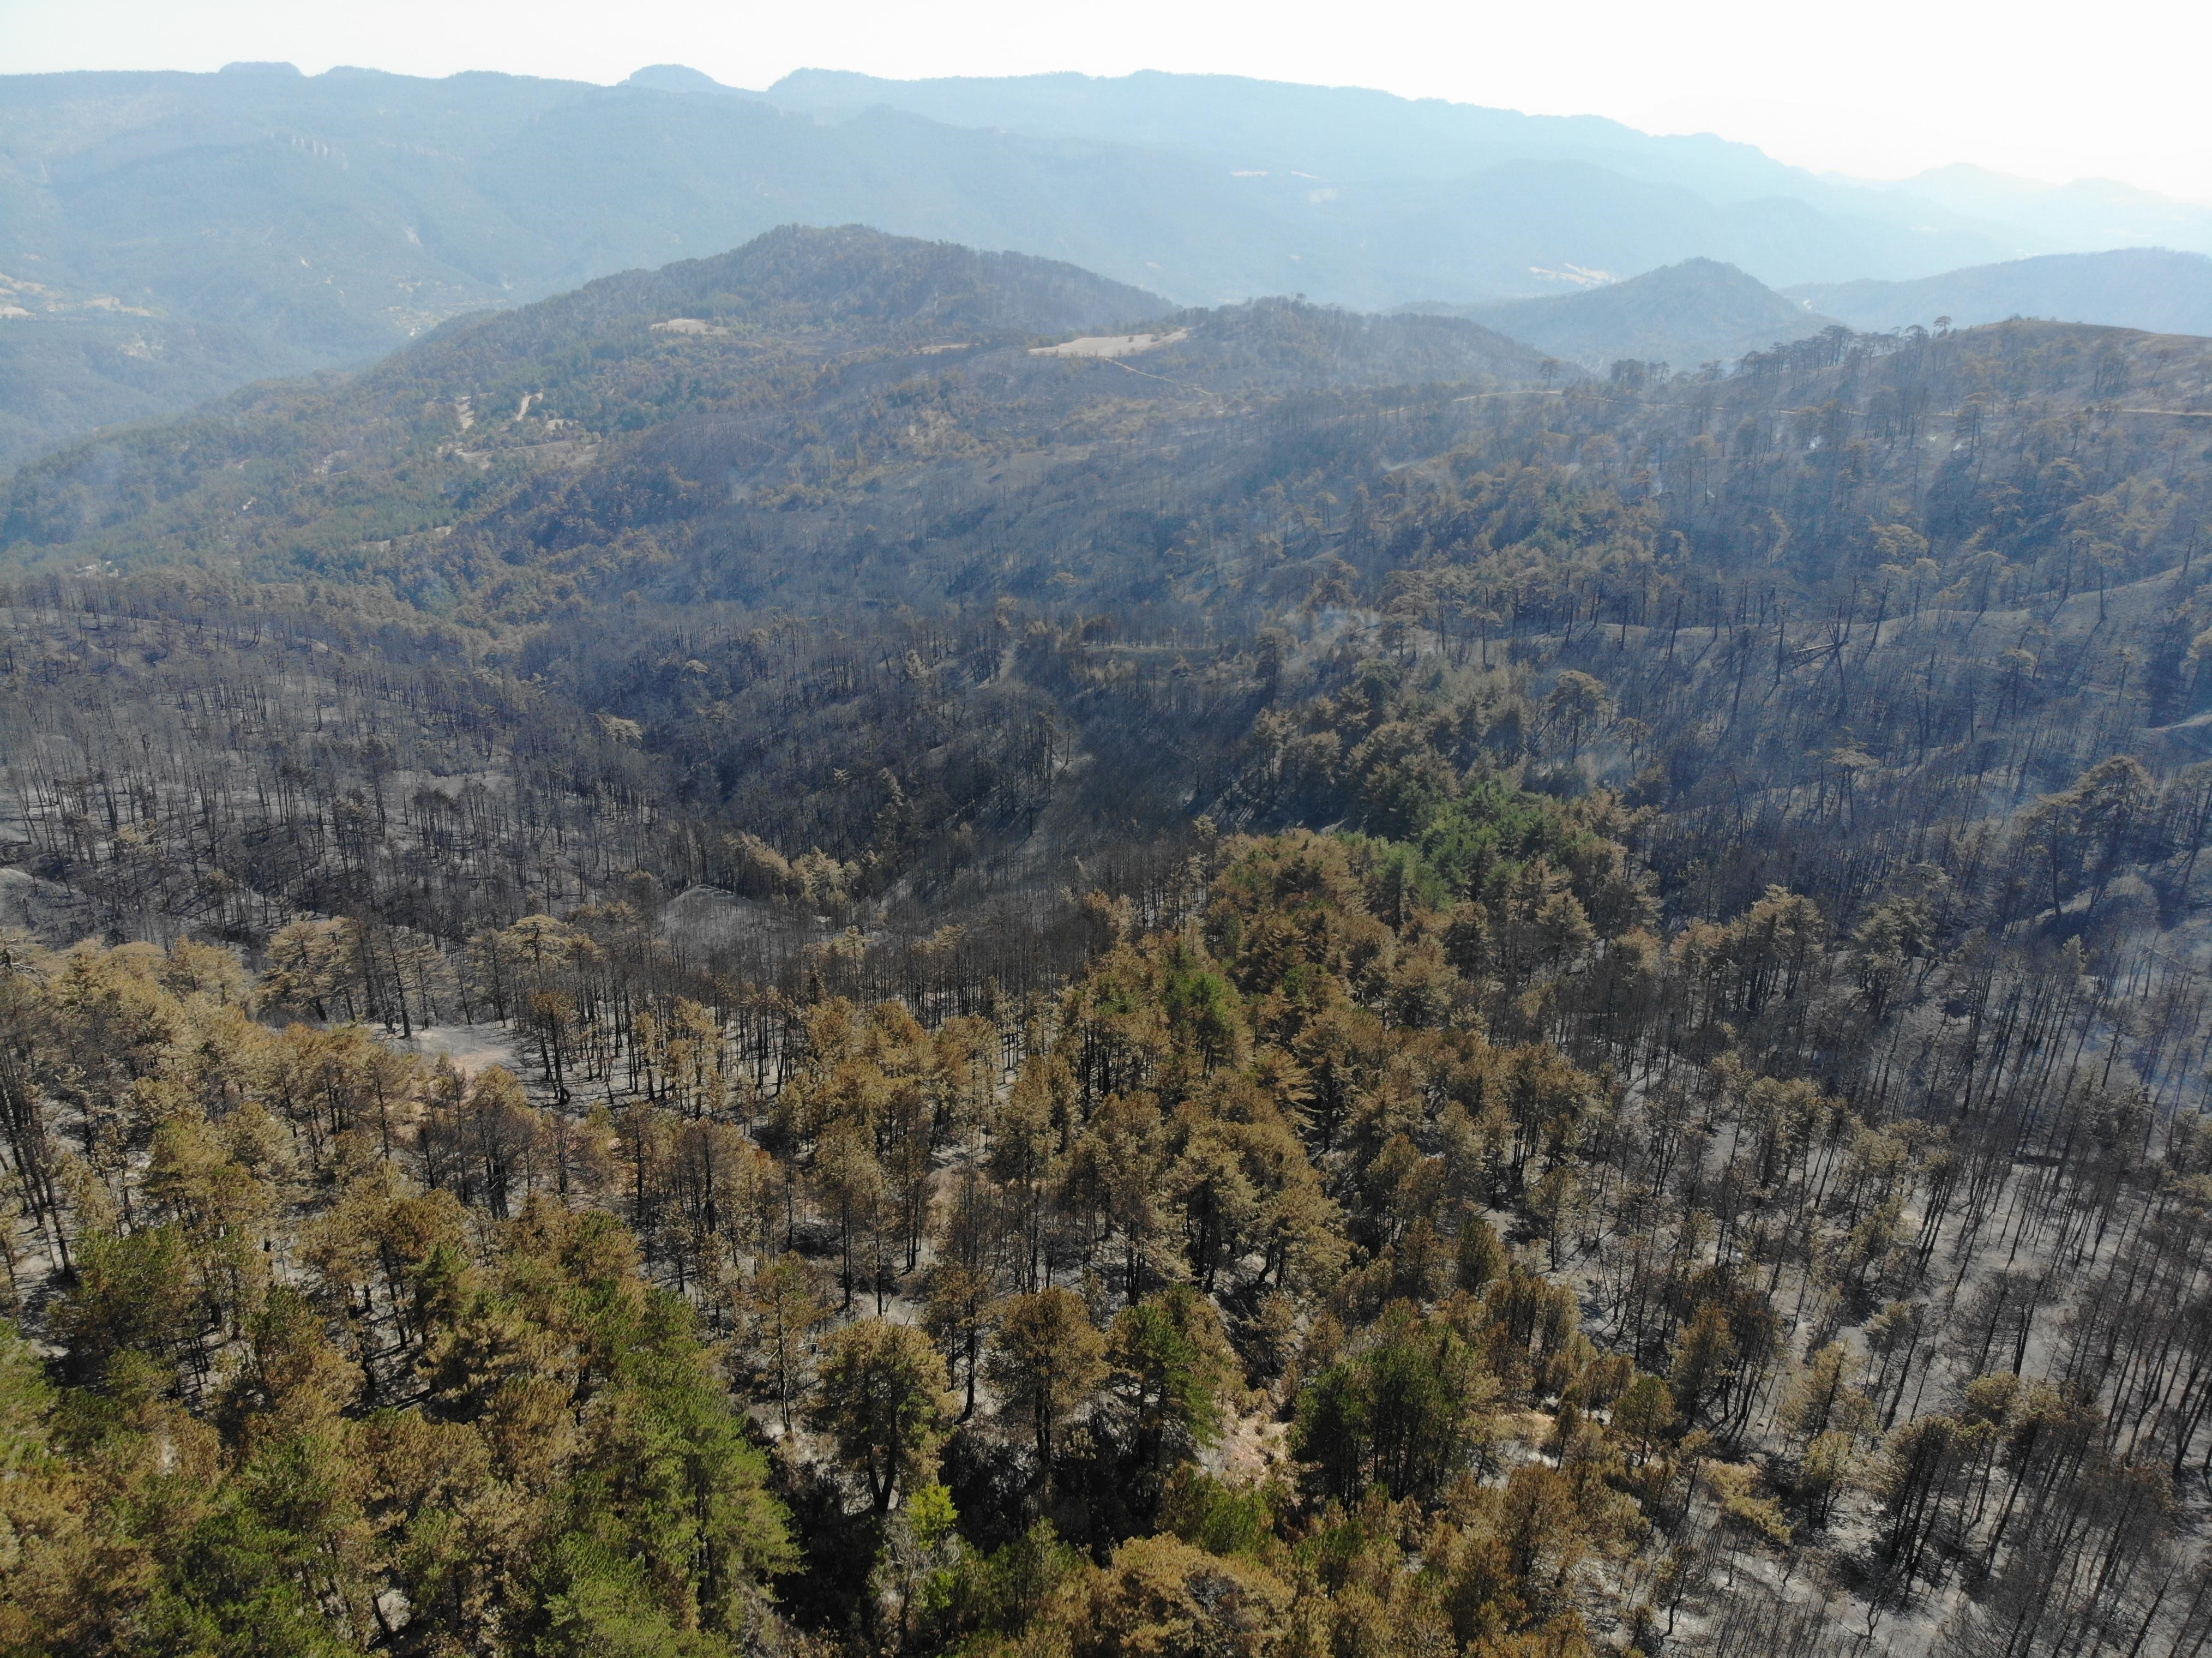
(1880, 88)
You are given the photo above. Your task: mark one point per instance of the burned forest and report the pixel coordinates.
(860, 949)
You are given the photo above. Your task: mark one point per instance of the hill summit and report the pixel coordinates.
(1698, 311)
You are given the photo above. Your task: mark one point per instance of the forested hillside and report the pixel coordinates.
(864, 949)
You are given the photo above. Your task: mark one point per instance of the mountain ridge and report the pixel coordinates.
(333, 216)
(267, 223)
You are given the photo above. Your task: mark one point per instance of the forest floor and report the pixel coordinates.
(470, 1048)
(47, 910)
(702, 919)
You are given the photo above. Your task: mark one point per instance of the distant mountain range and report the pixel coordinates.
(166, 237)
(2085, 214)
(2160, 291)
(1347, 135)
